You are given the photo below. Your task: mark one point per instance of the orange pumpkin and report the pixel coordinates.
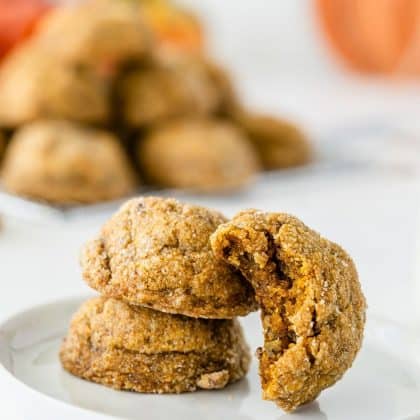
(376, 36)
(17, 20)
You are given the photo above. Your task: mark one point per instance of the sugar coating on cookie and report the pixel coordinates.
(156, 252)
(139, 349)
(199, 154)
(312, 306)
(63, 162)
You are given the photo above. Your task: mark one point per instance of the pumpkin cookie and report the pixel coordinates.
(99, 33)
(33, 85)
(312, 306)
(280, 143)
(201, 155)
(228, 98)
(164, 89)
(63, 162)
(133, 348)
(156, 252)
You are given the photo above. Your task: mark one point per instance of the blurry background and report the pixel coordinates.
(282, 59)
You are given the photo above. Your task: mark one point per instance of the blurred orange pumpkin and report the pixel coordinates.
(174, 26)
(375, 36)
(17, 20)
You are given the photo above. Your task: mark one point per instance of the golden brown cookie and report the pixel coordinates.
(312, 306)
(280, 143)
(166, 88)
(66, 163)
(100, 33)
(201, 155)
(133, 348)
(156, 252)
(34, 85)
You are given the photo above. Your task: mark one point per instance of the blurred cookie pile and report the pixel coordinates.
(107, 96)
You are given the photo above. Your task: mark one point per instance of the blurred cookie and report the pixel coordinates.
(228, 101)
(156, 252)
(33, 85)
(2, 145)
(63, 162)
(133, 348)
(201, 155)
(166, 88)
(280, 143)
(312, 306)
(101, 33)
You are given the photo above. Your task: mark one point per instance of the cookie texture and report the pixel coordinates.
(156, 252)
(312, 306)
(200, 154)
(280, 144)
(66, 163)
(133, 348)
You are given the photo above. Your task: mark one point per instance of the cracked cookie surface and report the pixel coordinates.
(134, 348)
(312, 306)
(156, 252)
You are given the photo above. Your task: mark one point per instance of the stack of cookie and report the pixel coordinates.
(165, 322)
(173, 277)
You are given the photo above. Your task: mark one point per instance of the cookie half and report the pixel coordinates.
(312, 306)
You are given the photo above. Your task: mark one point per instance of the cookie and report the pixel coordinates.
(280, 144)
(66, 163)
(99, 33)
(312, 306)
(33, 85)
(166, 88)
(228, 101)
(156, 252)
(2, 145)
(138, 349)
(201, 155)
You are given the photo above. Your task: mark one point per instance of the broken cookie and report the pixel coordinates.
(312, 306)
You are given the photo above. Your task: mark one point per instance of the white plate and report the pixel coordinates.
(384, 382)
